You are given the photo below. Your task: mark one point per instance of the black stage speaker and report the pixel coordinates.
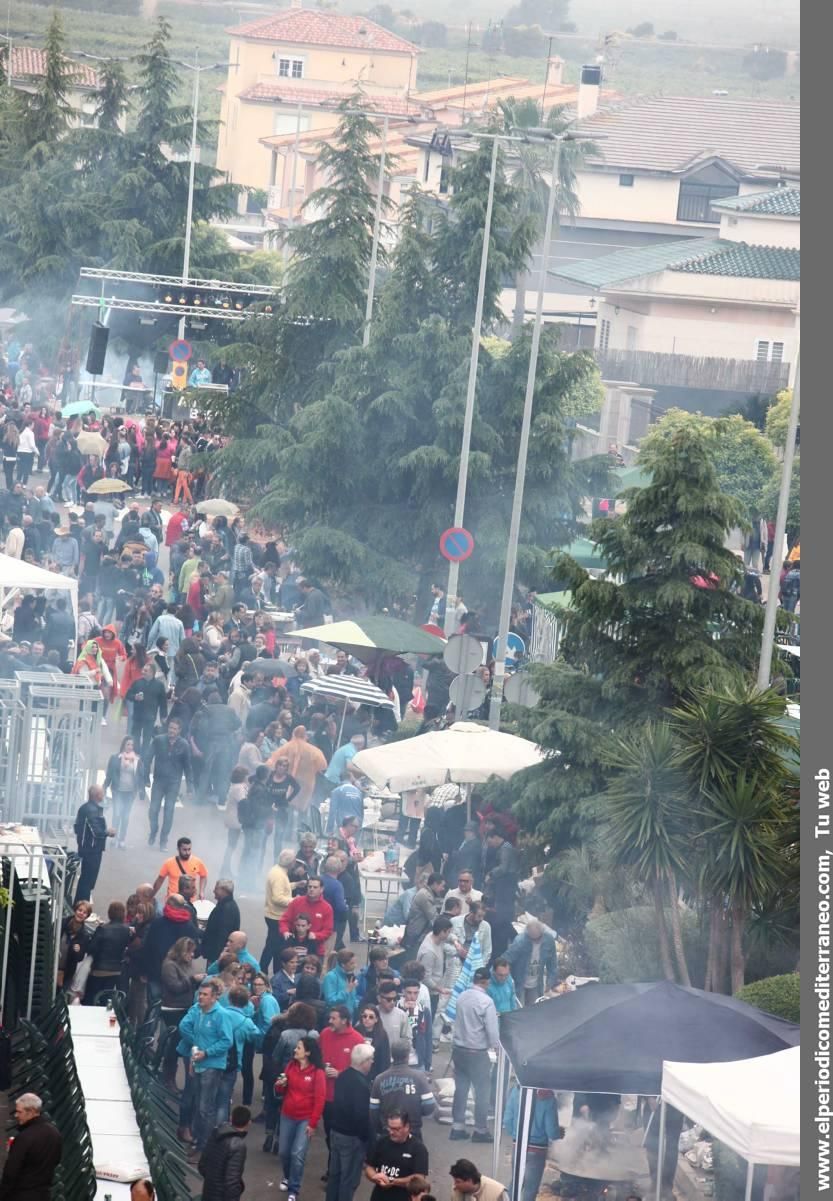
(97, 349)
(160, 363)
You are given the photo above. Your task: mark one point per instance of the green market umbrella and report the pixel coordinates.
(377, 634)
(79, 407)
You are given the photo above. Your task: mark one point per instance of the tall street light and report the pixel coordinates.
(192, 164)
(765, 662)
(523, 447)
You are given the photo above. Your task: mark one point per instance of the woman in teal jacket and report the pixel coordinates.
(265, 1009)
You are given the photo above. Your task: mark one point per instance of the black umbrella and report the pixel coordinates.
(272, 667)
(613, 1038)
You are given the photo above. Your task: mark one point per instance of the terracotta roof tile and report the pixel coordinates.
(29, 62)
(314, 27)
(670, 133)
(397, 106)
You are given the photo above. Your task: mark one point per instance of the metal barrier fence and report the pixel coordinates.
(35, 877)
(49, 731)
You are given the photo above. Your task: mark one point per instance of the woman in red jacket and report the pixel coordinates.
(303, 1087)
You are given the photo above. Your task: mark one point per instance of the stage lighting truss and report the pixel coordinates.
(221, 300)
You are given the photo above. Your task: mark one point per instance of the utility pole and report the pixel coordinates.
(768, 639)
(463, 472)
(523, 449)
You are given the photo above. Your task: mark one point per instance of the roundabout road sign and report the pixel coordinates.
(456, 544)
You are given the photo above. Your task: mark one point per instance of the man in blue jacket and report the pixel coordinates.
(543, 1129)
(533, 958)
(205, 1037)
(244, 1032)
(92, 832)
(502, 987)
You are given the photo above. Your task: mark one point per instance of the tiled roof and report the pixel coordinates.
(744, 261)
(670, 133)
(780, 202)
(29, 62)
(280, 90)
(701, 256)
(315, 27)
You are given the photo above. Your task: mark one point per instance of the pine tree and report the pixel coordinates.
(634, 648)
(46, 113)
(328, 273)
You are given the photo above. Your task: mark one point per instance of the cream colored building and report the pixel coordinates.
(665, 308)
(288, 71)
(29, 66)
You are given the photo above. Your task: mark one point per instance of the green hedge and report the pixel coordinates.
(778, 995)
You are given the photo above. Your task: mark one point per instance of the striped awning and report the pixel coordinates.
(351, 688)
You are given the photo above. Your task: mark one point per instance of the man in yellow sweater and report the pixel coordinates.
(278, 896)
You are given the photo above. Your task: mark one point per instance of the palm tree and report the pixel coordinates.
(645, 826)
(743, 823)
(737, 759)
(529, 176)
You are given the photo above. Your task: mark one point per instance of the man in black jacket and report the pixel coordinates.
(149, 698)
(34, 1154)
(350, 1125)
(223, 920)
(224, 1158)
(170, 757)
(92, 832)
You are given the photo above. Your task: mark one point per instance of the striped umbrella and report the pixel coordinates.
(473, 960)
(353, 689)
(348, 689)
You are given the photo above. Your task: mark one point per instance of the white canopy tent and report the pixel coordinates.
(751, 1105)
(466, 753)
(17, 576)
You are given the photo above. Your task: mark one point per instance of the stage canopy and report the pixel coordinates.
(613, 1038)
(751, 1105)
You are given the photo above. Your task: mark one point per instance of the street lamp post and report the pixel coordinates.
(377, 226)
(771, 612)
(192, 167)
(463, 471)
(523, 449)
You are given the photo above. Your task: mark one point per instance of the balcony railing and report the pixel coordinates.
(652, 369)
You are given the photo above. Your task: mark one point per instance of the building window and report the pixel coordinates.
(630, 338)
(769, 352)
(604, 334)
(625, 181)
(291, 68)
(696, 199)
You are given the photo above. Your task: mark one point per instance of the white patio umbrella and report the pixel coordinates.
(466, 753)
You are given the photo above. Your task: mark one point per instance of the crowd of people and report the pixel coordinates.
(317, 1039)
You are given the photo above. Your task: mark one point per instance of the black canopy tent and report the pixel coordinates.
(613, 1038)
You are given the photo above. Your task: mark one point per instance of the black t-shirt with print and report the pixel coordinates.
(397, 1160)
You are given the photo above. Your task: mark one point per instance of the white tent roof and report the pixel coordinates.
(752, 1105)
(467, 753)
(14, 573)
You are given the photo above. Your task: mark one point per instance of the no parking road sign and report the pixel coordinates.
(456, 544)
(180, 351)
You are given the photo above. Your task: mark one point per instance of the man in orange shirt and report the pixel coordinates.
(183, 863)
(306, 763)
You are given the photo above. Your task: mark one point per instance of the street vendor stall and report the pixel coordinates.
(615, 1039)
(18, 576)
(751, 1105)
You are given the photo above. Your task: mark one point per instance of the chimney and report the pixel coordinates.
(589, 88)
(555, 71)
